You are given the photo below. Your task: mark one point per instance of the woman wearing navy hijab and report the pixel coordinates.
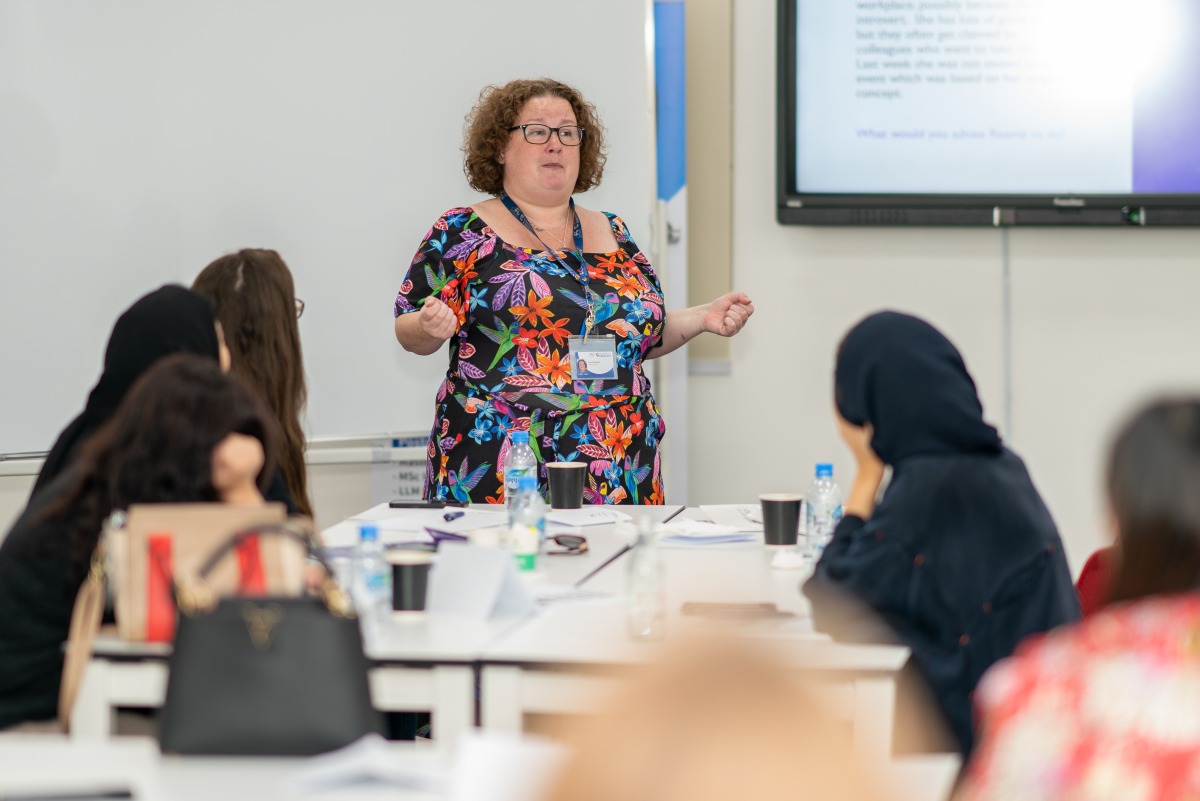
(960, 558)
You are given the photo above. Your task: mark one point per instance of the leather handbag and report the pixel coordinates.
(266, 676)
(139, 557)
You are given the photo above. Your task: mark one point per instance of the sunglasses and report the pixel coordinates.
(571, 544)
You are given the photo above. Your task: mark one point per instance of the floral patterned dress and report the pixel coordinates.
(1103, 710)
(510, 367)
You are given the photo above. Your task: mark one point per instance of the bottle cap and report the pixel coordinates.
(520, 437)
(824, 470)
(527, 482)
(368, 532)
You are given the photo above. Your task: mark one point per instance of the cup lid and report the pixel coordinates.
(406, 557)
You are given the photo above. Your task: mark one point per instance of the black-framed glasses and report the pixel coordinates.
(299, 308)
(573, 544)
(538, 134)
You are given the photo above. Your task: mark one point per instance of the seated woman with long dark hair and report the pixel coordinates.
(256, 302)
(960, 559)
(1110, 708)
(185, 432)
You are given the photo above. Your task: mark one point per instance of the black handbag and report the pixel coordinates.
(269, 676)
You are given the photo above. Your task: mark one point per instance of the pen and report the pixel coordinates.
(80, 795)
(624, 550)
(452, 516)
(439, 535)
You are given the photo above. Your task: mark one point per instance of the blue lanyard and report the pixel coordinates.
(577, 232)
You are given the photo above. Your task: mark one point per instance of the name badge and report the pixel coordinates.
(593, 358)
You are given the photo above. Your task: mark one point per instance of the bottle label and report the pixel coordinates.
(523, 541)
(377, 582)
(512, 477)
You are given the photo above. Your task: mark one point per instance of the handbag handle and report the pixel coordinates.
(81, 636)
(278, 529)
(196, 596)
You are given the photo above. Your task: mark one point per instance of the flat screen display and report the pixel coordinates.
(990, 111)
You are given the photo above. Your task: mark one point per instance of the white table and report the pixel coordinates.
(549, 662)
(427, 663)
(424, 664)
(603, 541)
(563, 660)
(37, 764)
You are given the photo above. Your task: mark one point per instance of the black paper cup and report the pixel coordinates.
(781, 517)
(566, 484)
(410, 579)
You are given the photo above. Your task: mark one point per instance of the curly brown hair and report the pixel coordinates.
(486, 134)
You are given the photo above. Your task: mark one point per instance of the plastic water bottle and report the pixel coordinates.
(519, 462)
(822, 508)
(528, 524)
(645, 588)
(372, 582)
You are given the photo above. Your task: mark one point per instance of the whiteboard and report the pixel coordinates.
(141, 139)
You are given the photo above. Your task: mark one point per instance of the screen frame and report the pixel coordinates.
(794, 207)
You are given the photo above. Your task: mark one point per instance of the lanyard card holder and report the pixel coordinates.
(593, 357)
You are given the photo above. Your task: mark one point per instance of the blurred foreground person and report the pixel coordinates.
(1110, 708)
(711, 723)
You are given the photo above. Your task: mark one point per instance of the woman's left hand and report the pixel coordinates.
(727, 314)
(860, 500)
(236, 462)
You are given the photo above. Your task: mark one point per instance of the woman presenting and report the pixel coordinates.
(526, 285)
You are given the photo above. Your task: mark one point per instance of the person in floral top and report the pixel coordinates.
(1109, 708)
(527, 287)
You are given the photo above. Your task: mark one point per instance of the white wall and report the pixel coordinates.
(14, 492)
(1100, 320)
(141, 139)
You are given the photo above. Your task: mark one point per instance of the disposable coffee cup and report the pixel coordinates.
(410, 579)
(566, 484)
(781, 517)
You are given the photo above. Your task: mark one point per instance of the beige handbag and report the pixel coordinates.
(195, 530)
(85, 622)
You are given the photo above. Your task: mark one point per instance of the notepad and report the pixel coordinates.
(740, 516)
(368, 759)
(594, 516)
(699, 532)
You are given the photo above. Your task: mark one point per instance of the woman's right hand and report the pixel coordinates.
(425, 331)
(437, 320)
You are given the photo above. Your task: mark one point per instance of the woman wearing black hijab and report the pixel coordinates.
(169, 320)
(960, 558)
